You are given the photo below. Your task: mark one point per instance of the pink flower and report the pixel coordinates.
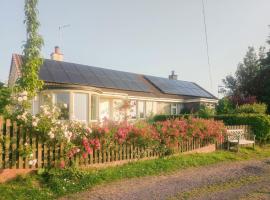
(62, 164)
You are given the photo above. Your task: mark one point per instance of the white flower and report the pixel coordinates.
(26, 144)
(24, 93)
(24, 98)
(34, 123)
(20, 99)
(65, 105)
(30, 162)
(31, 155)
(51, 135)
(89, 130)
(68, 135)
(33, 162)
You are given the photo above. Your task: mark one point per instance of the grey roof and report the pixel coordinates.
(186, 88)
(63, 72)
(71, 73)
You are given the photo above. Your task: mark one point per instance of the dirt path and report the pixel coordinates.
(239, 180)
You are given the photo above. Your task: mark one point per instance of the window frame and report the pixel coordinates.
(70, 104)
(87, 105)
(174, 106)
(96, 107)
(138, 111)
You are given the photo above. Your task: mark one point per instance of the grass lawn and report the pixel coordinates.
(54, 183)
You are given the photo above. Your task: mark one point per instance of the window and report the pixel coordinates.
(174, 109)
(62, 101)
(141, 109)
(35, 105)
(149, 108)
(180, 107)
(104, 109)
(133, 109)
(118, 110)
(81, 107)
(94, 107)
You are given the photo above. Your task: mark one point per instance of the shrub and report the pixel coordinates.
(224, 106)
(174, 130)
(205, 112)
(158, 118)
(5, 93)
(260, 124)
(258, 108)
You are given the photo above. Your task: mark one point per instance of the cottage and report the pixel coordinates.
(89, 93)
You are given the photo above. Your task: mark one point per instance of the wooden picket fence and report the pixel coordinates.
(14, 139)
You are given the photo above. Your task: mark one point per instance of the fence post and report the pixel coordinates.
(39, 152)
(1, 141)
(20, 163)
(7, 145)
(131, 152)
(26, 144)
(14, 150)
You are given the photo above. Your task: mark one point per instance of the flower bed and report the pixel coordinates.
(81, 140)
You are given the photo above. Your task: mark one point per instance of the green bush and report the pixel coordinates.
(206, 112)
(259, 123)
(158, 118)
(5, 93)
(225, 106)
(258, 108)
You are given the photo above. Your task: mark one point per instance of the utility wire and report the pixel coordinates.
(207, 46)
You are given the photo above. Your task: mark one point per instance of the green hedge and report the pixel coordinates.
(260, 124)
(158, 118)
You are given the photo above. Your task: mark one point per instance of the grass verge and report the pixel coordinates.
(55, 182)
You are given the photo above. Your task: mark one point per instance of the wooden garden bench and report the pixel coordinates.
(239, 137)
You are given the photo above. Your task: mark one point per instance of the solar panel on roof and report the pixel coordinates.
(63, 72)
(178, 87)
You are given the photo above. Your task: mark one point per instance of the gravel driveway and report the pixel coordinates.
(237, 180)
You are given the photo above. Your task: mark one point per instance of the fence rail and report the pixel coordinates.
(14, 139)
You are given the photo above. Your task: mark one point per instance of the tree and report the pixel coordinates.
(242, 83)
(31, 53)
(263, 89)
(231, 83)
(4, 97)
(225, 106)
(262, 81)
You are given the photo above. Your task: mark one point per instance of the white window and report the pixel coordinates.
(141, 109)
(35, 105)
(104, 109)
(174, 109)
(133, 109)
(80, 106)
(118, 110)
(62, 101)
(94, 107)
(149, 108)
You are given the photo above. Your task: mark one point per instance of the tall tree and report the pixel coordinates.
(263, 80)
(31, 53)
(242, 83)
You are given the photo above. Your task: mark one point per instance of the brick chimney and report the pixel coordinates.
(173, 76)
(57, 55)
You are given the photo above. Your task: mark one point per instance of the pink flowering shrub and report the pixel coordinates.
(80, 140)
(173, 131)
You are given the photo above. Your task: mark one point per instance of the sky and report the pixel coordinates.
(150, 37)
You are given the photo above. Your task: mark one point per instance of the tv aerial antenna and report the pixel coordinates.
(60, 33)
